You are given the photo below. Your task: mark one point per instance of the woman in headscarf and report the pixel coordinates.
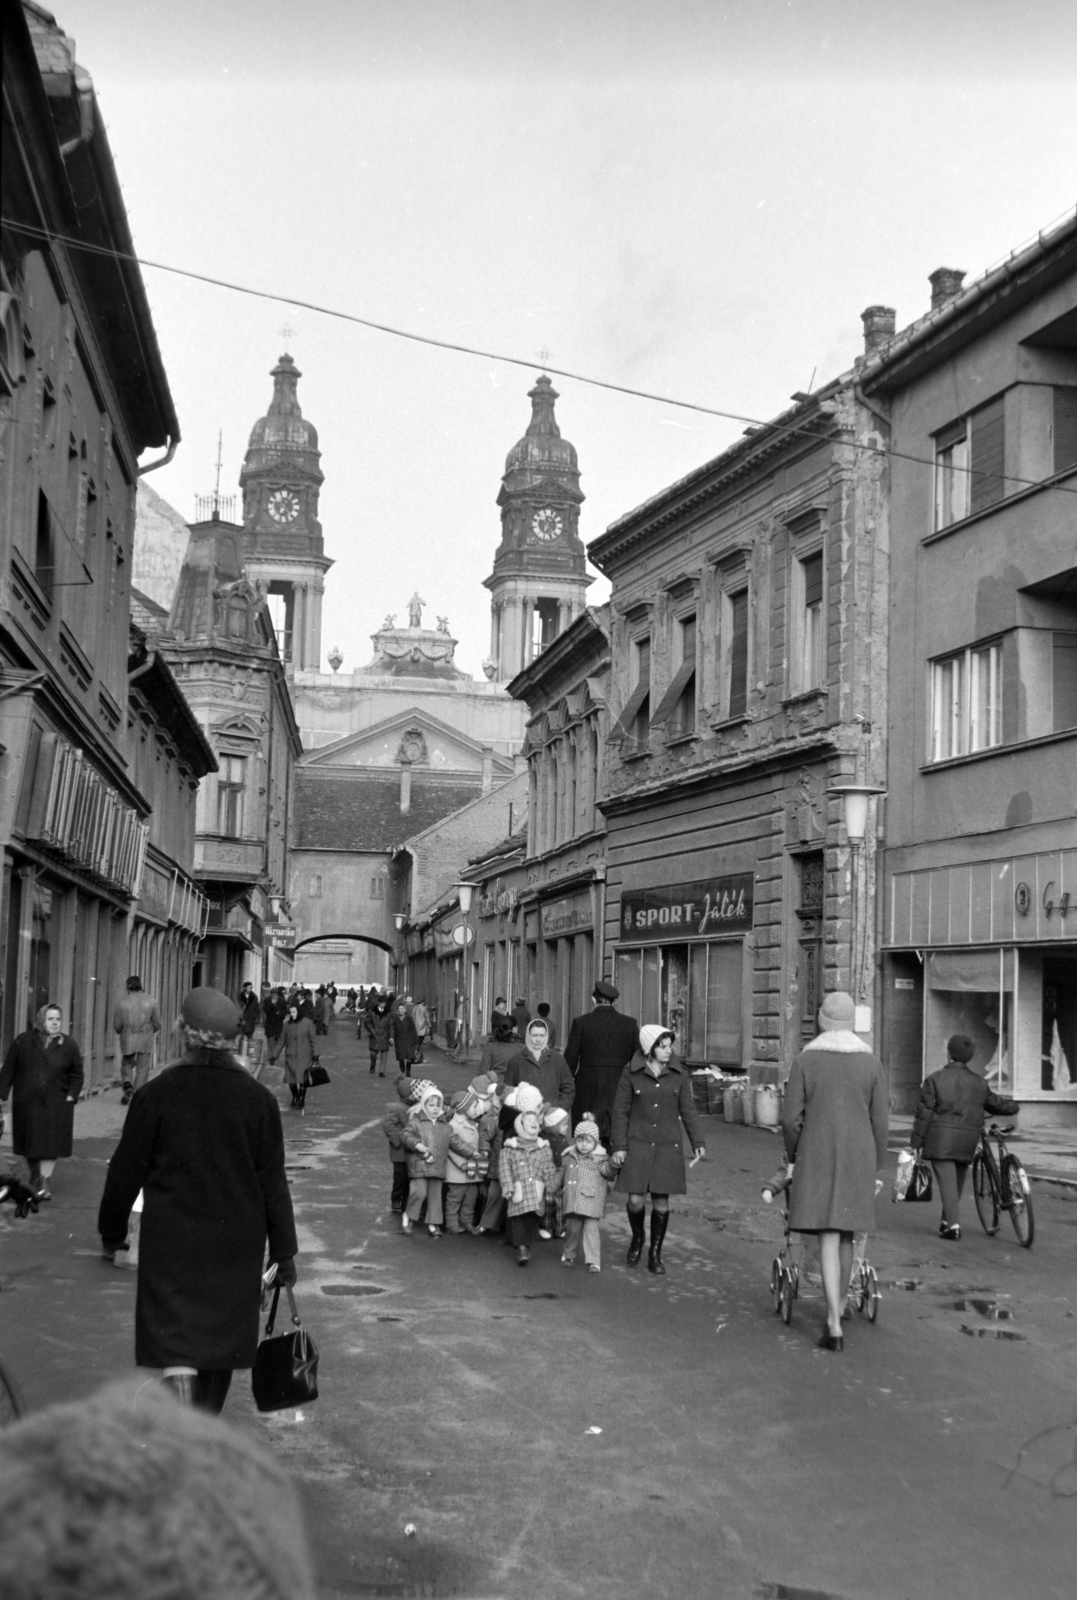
(835, 1123)
(300, 1052)
(44, 1068)
(204, 1143)
(547, 1069)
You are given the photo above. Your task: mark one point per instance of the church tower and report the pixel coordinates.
(283, 548)
(539, 579)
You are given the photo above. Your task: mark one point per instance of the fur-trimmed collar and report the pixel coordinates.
(514, 1144)
(841, 1041)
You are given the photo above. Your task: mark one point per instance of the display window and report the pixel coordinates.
(1019, 1008)
(694, 990)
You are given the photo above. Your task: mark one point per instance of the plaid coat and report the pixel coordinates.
(529, 1165)
(584, 1181)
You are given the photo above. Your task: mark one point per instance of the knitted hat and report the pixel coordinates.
(128, 1494)
(587, 1128)
(527, 1125)
(404, 1087)
(959, 1047)
(554, 1116)
(484, 1085)
(525, 1097)
(649, 1036)
(605, 991)
(466, 1100)
(837, 1012)
(456, 1100)
(209, 1011)
(420, 1088)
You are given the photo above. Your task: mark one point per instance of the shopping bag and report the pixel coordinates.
(286, 1366)
(315, 1076)
(920, 1182)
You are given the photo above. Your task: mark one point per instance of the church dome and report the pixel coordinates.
(283, 433)
(542, 447)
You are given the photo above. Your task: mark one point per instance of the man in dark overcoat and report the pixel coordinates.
(204, 1144)
(601, 1043)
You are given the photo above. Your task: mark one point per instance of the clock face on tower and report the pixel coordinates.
(546, 525)
(283, 506)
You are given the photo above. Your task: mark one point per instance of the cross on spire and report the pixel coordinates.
(287, 333)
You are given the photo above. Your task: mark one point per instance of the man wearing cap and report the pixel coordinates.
(204, 1144)
(136, 1020)
(601, 1043)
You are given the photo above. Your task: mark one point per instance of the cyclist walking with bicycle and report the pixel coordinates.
(949, 1120)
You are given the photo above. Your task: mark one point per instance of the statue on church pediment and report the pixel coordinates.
(443, 624)
(390, 620)
(415, 611)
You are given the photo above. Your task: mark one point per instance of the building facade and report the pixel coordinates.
(979, 909)
(83, 395)
(748, 682)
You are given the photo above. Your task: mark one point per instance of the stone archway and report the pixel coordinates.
(334, 957)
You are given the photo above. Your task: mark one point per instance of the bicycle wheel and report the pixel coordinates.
(787, 1298)
(983, 1192)
(1017, 1200)
(776, 1284)
(11, 1404)
(870, 1292)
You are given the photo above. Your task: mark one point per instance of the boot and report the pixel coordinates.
(213, 1386)
(659, 1224)
(635, 1248)
(185, 1388)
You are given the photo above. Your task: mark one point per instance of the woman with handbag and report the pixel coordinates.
(300, 1053)
(203, 1142)
(44, 1068)
(835, 1123)
(949, 1120)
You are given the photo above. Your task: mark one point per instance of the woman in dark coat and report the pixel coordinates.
(44, 1068)
(405, 1038)
(948, 1123)
(203, 1141)
(547, 1069)
(835, 1122)
(653, 1099)
(377, 1024)
(300, 1052)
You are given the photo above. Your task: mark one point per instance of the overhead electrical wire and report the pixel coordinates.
(786, 431)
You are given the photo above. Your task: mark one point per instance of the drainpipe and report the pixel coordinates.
(152, 466)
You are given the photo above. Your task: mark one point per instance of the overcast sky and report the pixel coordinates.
(688, 198)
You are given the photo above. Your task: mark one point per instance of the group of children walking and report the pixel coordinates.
(550, 1182)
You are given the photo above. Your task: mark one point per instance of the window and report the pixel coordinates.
(44, 547)
(544, 620)
(635, 723)
(377, 888)
(808, 622)
(966, 702)
(1064, 681)
(1065, 420)
(735, 608)
(678, 705)
(231, 782)
(969, 463)
(314, 888)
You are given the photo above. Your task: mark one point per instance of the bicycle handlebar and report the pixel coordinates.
(998, 1132)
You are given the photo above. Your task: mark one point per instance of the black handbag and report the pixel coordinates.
(920, 1183)
(286, 1366)
(315, 1076)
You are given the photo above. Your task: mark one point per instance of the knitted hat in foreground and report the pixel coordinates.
(837, 1013)
(404, 1086)
(525, 1097)
(209, 1011)
(420, 1088)
(959, 1047)
(554, 1116)
(484, 1085)
(649, 1036)
(587, 1128)
(129, 1495)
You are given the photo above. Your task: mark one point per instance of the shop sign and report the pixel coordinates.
(500, 902)
(707, 909)
(1030, 898)
(279, 936)
(443, 942)
(566, 915)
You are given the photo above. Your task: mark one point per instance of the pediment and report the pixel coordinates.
(241, 727)
(428, 743)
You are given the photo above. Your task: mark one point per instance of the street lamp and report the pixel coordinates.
(464, 892)
(854, 798)
(399, 919)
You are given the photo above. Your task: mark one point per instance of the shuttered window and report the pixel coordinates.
(737, 694)
(634, 722)
(987, 441)
(1065, 429)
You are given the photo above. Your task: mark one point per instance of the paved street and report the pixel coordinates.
(551, 1433)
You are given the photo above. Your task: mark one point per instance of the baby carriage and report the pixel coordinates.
(788, 1265)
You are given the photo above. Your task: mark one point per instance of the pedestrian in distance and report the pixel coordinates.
(653, 1100)
(949, 1121)
(250, 1014)
(463, 1171)
(43, 1070)
(547, 1069)
(583, 1182)
(393, 1126)
(376, 1023)
(542, 1011)
(426, 1136)
(421, 1018)
(521, 1016)
(499, 1047)
(601, 1043)
(835, 1123)
(526, 1171)
(323, 1009)
(300, 1053)
(500, 1010)
(203, 1142)
(404, 1037)
(137, 1021)
(274, 1016)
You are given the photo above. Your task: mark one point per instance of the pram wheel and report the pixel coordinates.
(788, 1295)
(867, 1292)
(776, 1276)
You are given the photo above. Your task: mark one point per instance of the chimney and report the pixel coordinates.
(405, 788)
(946, 282)
(487, 768)
(879, 325)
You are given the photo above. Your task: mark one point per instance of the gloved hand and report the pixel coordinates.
(517, 1192)
(286, 1273)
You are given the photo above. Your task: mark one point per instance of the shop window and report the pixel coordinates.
(807, 617)
(1057, 1013)
(1065, 428)
(966, 702)
(972, 992)
(969, 462)
(694, 990)
(231, 786)
(735, 629)
(677, 708)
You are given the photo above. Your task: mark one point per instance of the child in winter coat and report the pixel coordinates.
(583, 1181)
(427, 1137)
(556, 1130)
(526, 1171)
(392, 1126)
(462, 1172)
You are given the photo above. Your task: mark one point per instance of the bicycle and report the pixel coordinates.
(1001, 1184)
